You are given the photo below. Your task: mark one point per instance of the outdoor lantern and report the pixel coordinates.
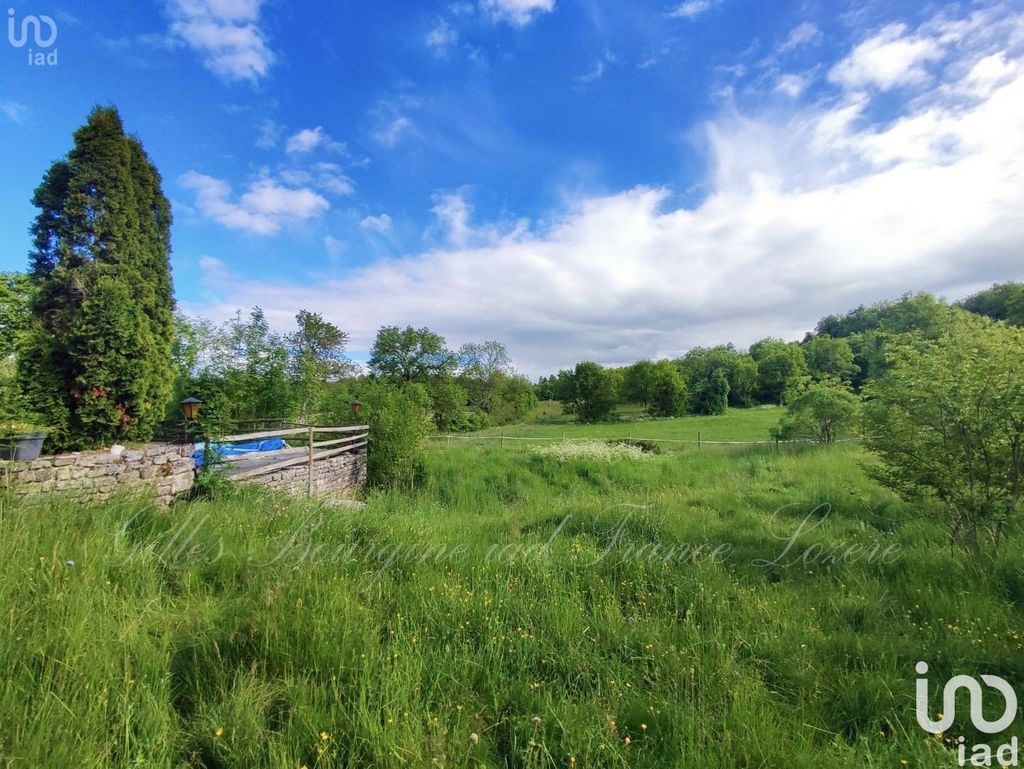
(190, 408)
(356, 408)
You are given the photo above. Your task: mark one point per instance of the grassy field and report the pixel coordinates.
(512, 612)
(736, 425)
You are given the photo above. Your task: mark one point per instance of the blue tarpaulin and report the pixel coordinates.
(234, 449)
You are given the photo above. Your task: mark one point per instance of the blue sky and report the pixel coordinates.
(577, 178)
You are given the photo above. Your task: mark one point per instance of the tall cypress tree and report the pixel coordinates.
(97, 362)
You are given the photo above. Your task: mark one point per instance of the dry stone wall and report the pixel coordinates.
(339, 476)
(164, 468)
(167, 470)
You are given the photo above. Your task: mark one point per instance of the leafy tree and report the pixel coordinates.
(259, 376)
(483, 371)
(410, 354)
(781, 368)
(639, 383)
(700, 364)
(317, 356)
(515, 399)
(867, 328)
(911, 312)
(198, 345)
(482, 361)
(592, 394)
(947, 421)
(1004, 301)
(448, 403)
(557, 387)
(670, 396)
(821, 412)
(97, 357)
(711, 395)
(400, 422)
(830, 358)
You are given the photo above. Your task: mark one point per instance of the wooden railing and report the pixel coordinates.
(309, 452)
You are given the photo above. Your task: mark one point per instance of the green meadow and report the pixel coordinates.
(744, 607)
(742, 425)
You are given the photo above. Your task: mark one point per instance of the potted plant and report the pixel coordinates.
(21, 441)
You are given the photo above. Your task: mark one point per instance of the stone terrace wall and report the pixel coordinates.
(95, 475)
(338, 476)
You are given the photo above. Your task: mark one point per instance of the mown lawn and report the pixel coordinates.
(512, 612)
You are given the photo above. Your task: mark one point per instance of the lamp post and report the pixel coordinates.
(190, 408)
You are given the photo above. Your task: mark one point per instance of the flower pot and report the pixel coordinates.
(22, 448)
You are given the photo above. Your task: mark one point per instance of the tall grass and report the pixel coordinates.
(510, 612)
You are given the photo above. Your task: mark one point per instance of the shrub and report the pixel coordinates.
(400, 421)
(947, 421)
(820, 413)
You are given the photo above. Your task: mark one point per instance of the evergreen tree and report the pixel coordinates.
(97, 358)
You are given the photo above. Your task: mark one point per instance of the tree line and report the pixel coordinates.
(844, 352)
(243, 370)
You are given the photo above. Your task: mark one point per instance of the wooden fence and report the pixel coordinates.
(314, 448)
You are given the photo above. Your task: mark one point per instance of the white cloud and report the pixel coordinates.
(453, 212)
(334, 247)
(392, 131)
(269, 134)
(330, 177)
(263, 209)
(226, 33)
(516, 12)
(802, 34)
(791, 85)
(599, 69)
(810, 211)
(891, 58)
(442, 37)
(691, 9)
(381, 224)
(392, 123)
(14, 112)
(990, 72)
(306, 140)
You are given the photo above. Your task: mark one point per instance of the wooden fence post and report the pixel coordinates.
(503, 439)
(698, 439)
(309, 489)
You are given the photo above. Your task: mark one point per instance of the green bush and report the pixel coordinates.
(400, 421)
(820, 413)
